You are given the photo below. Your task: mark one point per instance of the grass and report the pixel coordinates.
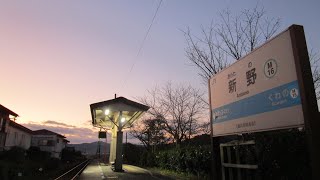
(177, 175)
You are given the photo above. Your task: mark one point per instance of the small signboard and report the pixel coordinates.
(102, 134)
(259, 92)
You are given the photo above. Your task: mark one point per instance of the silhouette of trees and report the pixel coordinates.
(178, 108)
(231, 38)
(314, 62)
(150, 132)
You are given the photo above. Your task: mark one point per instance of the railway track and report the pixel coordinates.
(74, 172)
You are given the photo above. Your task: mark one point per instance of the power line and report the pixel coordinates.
(142, 44)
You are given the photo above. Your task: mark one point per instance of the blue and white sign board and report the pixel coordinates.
(259, 92)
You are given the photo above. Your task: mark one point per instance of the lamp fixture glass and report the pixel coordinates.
(107, 111)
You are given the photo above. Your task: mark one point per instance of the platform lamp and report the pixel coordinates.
(116, 114)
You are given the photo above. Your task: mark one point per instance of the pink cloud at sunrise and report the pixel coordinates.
(74, 134)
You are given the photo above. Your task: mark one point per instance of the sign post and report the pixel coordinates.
(308, 97)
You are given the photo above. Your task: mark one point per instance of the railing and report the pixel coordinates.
(231, 166)
(74, 172)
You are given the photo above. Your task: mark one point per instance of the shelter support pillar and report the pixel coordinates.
(113, 144)
(119, 158)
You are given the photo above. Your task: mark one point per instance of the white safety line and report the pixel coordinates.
(102, 175)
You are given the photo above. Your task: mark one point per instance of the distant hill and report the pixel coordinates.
(91, 148)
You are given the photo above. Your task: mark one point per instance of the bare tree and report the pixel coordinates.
(233, 37)
(314, 62)
(206, 54)
(150, 132)
(205, 128)
(229, 39)
(180, 108)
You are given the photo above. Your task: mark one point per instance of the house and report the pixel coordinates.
(17, 135)
(11, 133)
(49, 141)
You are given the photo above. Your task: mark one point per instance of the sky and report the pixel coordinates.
(58, 57)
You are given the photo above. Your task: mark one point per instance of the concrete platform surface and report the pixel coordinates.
(98, 171)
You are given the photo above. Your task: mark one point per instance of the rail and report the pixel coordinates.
(74, 172)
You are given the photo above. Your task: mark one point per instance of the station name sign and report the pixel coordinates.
(259, 92)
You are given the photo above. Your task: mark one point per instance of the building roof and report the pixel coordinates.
(19, 126)
(118, 104)
(46, 132)
(7, 111)
(120, 100)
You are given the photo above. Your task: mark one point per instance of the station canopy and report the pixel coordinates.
(120, 111)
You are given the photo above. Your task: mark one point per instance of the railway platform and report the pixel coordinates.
(97, 171)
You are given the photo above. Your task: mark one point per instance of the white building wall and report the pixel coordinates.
(60, 144)
(49, 143)
(17, 137)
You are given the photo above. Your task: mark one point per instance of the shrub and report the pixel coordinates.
(15, 154)
(132, 154)
(35, 154)
(195, 160)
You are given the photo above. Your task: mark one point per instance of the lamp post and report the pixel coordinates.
(116, 114)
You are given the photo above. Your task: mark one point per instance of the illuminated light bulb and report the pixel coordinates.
(107, 111)
(123, 120)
